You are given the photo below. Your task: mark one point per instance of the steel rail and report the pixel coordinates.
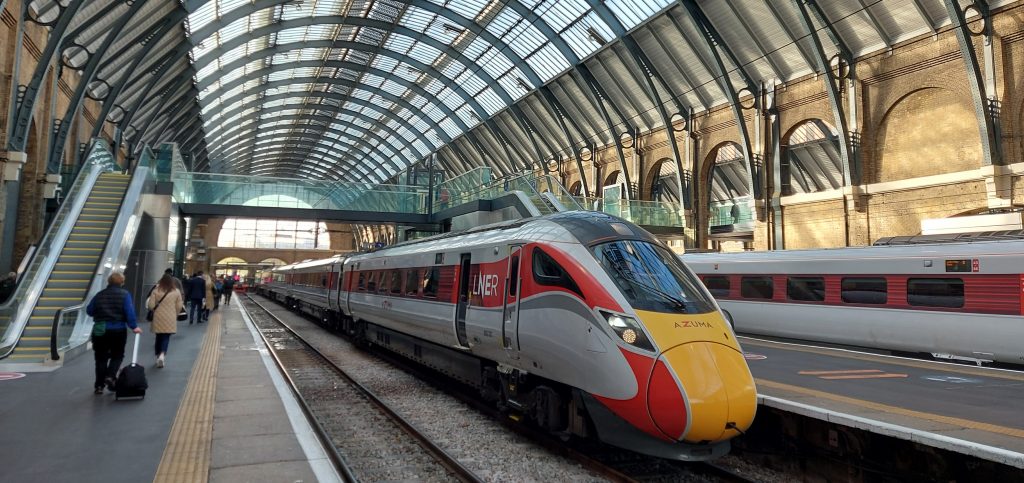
(443, 457)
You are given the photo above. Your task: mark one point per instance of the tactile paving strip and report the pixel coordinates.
(186, 458)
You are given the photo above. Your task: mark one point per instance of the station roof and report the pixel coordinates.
(357, 90)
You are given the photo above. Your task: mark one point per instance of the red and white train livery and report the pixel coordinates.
(580, 322)
(950, 300)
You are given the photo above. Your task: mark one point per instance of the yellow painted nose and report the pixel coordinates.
(718, 388)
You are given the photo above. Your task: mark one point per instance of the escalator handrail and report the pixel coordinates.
(27, 304)
(57, 316)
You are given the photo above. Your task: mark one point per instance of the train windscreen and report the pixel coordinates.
(652, 278)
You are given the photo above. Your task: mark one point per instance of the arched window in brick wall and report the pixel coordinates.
(729, 200)
(664, 182)
(811, 161)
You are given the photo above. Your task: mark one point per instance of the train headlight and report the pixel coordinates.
(629, 330)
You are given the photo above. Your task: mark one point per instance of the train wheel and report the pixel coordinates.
(548, 409)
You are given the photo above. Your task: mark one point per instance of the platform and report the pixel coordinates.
(217, 412)
(970, 410)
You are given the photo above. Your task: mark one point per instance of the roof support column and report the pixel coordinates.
(717, 47)
(62, 126)
(777, 234)
(22, 118)
(599, 97)
(986, 102)
(555, 108)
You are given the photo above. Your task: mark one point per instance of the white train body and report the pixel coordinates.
(962, 300)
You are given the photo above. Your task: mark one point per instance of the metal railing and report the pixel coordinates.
(22, 303)
(63, 328)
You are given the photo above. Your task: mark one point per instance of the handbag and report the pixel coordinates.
(183, 315)
(149, 315)
(99, 328)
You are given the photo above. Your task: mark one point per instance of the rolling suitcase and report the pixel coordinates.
(131, 382)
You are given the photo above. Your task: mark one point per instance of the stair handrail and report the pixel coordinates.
(114, 256)
(26, 297)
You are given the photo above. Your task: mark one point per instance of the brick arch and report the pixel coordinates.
(815, 126)
(613, 178)
(926, 132)
(576, 189)
(654, 174)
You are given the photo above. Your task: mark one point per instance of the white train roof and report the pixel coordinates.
(993, 257)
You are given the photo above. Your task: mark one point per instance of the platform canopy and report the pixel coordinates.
(358, 90)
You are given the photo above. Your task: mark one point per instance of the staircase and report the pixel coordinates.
(75, 267)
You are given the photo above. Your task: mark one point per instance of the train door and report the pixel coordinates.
(463, 305)
(510, 314)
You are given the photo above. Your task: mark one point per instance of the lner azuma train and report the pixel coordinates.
(950, 300)
(580, 322)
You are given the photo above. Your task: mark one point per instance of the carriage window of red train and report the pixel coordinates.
(361, 285)
(431, 282)
(757, 287)
(806, 289)
(718, 286)
(863, 290)
(396, 282)
(412, 282)
(936, 292)
(546, 271)
(371, 284)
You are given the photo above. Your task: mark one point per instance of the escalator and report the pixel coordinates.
(91, 235)
(69, 281)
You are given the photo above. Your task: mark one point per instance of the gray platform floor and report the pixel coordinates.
(54, 429)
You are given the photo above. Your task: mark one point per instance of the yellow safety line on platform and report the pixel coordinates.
(885, 408)
(931, 366)
(186, 458)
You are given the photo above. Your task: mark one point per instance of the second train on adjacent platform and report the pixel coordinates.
(948, 300)
(580, 322)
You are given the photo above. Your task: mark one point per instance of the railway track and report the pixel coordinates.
(612, 463)
(366, 439)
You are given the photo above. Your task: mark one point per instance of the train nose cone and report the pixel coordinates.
(701, 391)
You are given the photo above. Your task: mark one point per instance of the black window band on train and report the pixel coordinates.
(431, 281)
(718, 286)
(805, 289)
(865, 290)
(546, 271)
(757, 287)
(936, 292)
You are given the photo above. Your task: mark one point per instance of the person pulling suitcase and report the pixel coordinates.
(113, 313)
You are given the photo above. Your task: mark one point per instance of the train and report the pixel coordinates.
(949, 301)
(579, 323)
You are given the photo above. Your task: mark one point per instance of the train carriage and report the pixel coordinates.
(953, 300)
(580, 322)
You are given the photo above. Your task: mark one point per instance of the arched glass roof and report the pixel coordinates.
(357, 90)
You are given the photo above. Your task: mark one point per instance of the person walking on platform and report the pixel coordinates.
(166, 302)
(229, 287)
(113, 313)
(196, 294)
(209, 296)
(7, 286)
(218, 289)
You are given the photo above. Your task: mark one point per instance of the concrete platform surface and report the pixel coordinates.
(968, 409)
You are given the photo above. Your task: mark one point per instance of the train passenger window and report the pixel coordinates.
(806, 289)
(361, 285)
(431, 282)
(757, 287)
(382, 282)
(412, 282)
(718, 286)
(371, 284)
(936, 292)
(396, 282)
(546, 271)
(864, 290)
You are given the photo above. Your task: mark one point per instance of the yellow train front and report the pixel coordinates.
(691, 389)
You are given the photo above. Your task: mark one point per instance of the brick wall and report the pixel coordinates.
(814, 225)
(901, 212)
